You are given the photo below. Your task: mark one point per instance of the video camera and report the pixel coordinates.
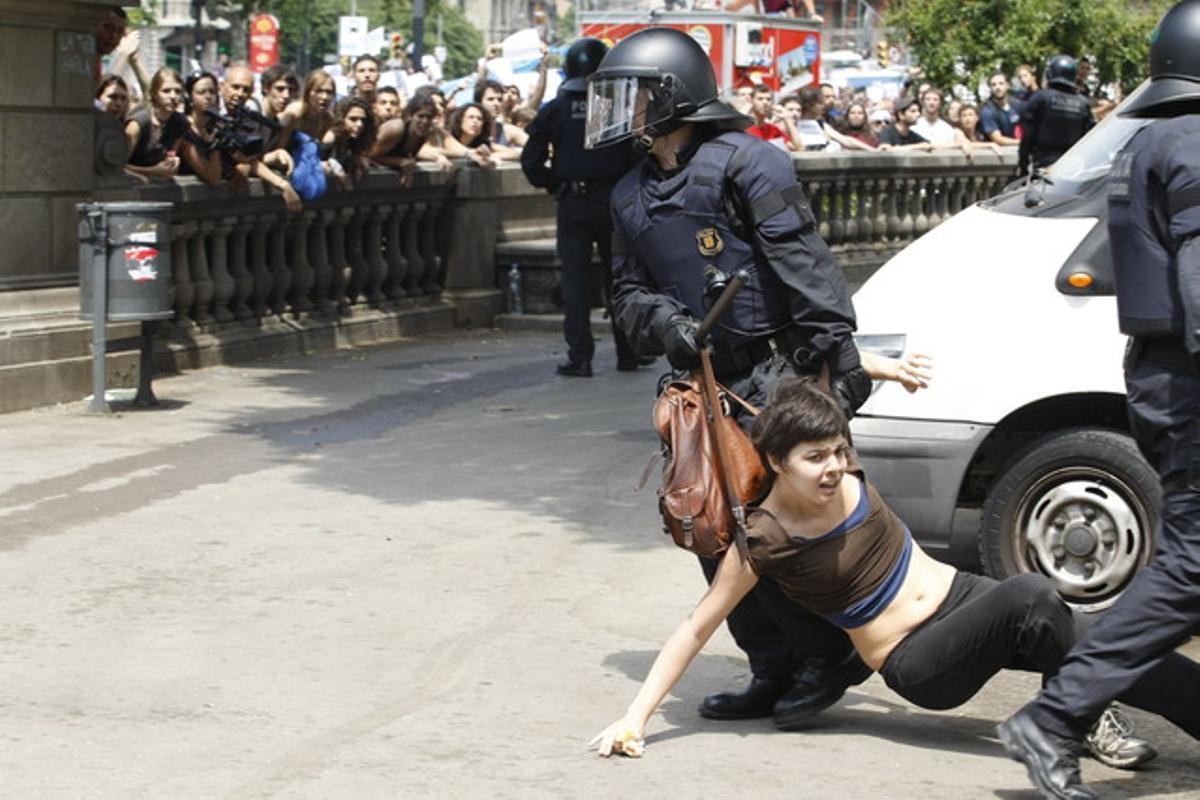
(246, 133)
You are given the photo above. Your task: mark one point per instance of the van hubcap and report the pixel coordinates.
(1080, 528)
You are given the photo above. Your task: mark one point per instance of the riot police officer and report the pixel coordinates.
(711, 195)
(1054, 118)
(582, 180)
(1154, 232)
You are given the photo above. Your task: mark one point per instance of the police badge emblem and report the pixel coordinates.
(709, 242)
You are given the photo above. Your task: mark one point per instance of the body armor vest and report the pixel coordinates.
(1064, 122)
(680, 224)
(1144, 269)
(572, 162)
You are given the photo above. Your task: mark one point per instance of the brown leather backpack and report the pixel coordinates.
(691, 499)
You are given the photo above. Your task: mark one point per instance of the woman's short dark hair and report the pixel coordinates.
(485, 136)
(799, 411)
(418, 103)
(190, 84)
(107, 81)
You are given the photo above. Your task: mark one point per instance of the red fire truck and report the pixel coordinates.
(782, 52)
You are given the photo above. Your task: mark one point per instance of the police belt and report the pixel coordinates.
(1166, 352)
(587, 187)
(734, 360)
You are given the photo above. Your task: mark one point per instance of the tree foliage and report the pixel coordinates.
(961, 41)
(463, 41)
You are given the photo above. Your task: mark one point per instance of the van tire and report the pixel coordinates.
(1091, 503)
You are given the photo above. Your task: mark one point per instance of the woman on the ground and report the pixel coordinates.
(154, 129)
(347, 143)
(936, 635)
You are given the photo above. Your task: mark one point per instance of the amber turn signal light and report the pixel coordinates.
(1080, 280)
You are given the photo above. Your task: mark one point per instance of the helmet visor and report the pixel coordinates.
(621, 108)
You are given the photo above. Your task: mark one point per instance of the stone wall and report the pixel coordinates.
(47, 52)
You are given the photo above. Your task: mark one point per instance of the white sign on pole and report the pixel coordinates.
(352, 35)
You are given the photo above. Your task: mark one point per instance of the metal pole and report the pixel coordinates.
(99, 221)
(418, 21)
(198, 47)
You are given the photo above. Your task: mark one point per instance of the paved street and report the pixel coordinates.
(416, 570)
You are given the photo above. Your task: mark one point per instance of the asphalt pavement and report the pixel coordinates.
(405, 571)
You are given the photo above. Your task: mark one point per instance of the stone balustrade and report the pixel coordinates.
(243, 257)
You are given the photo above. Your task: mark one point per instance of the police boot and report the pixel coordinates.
(817, 685)
(756, 700)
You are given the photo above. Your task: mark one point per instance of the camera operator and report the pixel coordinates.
(235, 92)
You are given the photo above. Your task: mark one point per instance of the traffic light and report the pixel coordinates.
(881, 54)
(397, 43)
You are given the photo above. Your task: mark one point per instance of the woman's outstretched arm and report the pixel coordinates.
(734, 581)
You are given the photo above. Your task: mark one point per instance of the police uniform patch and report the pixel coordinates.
(709, 242)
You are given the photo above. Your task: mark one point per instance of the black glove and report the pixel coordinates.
(851, 389)
(679, 342)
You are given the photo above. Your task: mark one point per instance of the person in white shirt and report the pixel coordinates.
(931, 126)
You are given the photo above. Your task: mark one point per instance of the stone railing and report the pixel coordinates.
(870, 205)
(244, 257)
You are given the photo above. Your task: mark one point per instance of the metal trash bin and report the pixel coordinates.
(137, 240)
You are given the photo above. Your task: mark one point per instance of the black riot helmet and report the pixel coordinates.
(582, 58)
(1062, 71)
(1174, 65)
(649, 84)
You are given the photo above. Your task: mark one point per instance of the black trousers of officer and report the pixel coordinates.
(1161, 607)
(776, 634)
(584, 219)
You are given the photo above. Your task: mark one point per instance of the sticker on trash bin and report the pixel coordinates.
(141, 263)
(144, 235)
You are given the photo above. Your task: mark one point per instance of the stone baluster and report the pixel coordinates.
(338, 260)
(281, 276)
(185, 292)
(393, 287)
(318, 259)
(412, 238)
(223, 287)
(879, 208)
(373, 252)
(201, 279)
(924, 199)
(260, 266)
(862, 210)
(359, 270)
(972, 190)
(302, 272)
(907, 197)
(243, 280)
(837, 212)
(943, 200)
(432, 279)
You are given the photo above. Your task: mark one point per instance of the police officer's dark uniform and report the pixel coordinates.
(1054, 118)
(582, 180)
(733, 203)
(1154, 232)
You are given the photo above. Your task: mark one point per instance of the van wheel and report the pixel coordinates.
(1079, 507)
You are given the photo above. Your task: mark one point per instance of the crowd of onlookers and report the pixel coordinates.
(299, 135)
(296, 133)
(822, 119)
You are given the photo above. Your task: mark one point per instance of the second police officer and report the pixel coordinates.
(710, 194)
(582, 180)
(1054, 118)
(1154, 233)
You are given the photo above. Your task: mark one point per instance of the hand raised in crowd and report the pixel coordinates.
(129, 45)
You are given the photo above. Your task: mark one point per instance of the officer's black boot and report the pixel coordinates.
(756, 700)
(818, 684)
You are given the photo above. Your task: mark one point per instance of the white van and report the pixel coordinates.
(1022, 438)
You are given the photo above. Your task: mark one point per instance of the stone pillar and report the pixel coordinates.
(47, 137)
